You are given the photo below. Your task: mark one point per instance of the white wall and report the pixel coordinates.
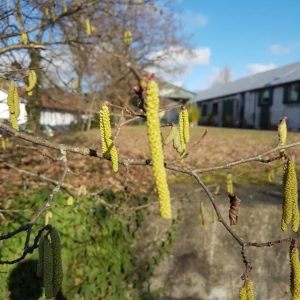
(55, 118)
(48, 117)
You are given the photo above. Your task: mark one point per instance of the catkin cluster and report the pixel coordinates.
(295, 273)
(50, 264)
(246, 292)
(32, 79)
(109, 149)
(290, 211)
(13, 103)
(184, 129)
(155, 144)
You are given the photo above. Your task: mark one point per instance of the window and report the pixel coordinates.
(293, 92)
(215, 109)
(204, 110)
(266, 97)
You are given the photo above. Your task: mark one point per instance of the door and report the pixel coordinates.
(227, 115)
(264, 117)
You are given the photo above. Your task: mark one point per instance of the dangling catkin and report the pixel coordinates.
(32, 80)
(155, 145)
(88, 27)
(243, 293)
(290, 210)
(57, 262)
(282, 134)
(186, 126)
(48, 269)
(249, 289)
(39, 269)
(108, 148)
(14, 107)
(295, 272)
(181, 131)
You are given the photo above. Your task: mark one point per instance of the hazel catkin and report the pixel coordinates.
(48, 269)
(57, 261)
(290, 211)
(295, 273)
(155, 144)
(39, 269)
(108, 147)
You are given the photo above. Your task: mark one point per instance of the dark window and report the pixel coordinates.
(293, 90)
(215, 109)
(204, 110)
(266, 97)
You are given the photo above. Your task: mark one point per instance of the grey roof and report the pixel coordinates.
(285, 74)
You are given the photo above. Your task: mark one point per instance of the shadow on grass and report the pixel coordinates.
(24, 284)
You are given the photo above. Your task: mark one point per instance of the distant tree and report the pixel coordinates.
(223, 76)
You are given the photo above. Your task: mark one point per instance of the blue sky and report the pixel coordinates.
(248, 36)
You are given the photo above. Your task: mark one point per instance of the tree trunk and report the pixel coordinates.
(34, 103)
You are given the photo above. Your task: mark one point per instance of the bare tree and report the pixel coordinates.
(223, 76)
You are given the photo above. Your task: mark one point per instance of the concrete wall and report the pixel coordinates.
(206, 264)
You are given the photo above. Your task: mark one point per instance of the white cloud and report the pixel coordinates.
(193, 20)
(278, 49)
(257, 68)
(174, 57)
(173, 63)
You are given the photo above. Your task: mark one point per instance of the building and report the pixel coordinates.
(57, 109)
(258, 101)
(171, 95)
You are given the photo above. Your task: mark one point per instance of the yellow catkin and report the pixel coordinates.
(171, 135)
(24, 38)
(16, 103)
(102, 132)
(290, 210)
(32, 80)
(127, 37)
(114, 157)
(10, 97)
(88, 27)
(57, 261)
(249, 289)
(295, 273)
(48, 269)
(39, 268)
(139, 1)
(243, 293)
(282, 133)
(14, 108)
(14, 122)
(156, 151)
(229, 183)
(186, 126)
(108, 148)
(181, 130)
